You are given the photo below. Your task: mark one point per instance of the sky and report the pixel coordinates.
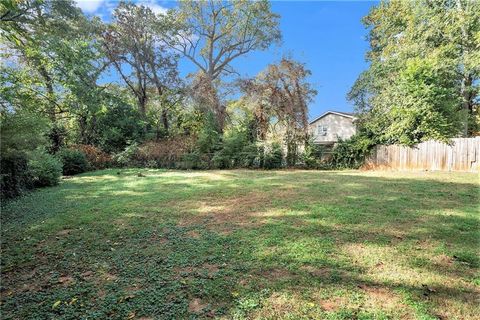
(327, 36)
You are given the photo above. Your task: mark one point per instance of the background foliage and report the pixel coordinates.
(58, 104)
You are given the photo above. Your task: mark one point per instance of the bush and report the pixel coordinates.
(234, 145)
(127, 156)
(351, 153)
(252, 156)
(209, 139)
(192, 161)
(97, 159)
(14, 175)
(164, 153)
(45, 169)
(118, 125)
(313, 155)
(74, 161)
(222, 160)
(273, 157)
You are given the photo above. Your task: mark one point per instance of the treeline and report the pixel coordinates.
(78, 93)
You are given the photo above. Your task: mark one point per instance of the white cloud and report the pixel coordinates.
(89, 6)
(154, 6)
(104, 8)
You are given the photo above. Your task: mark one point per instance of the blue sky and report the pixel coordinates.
(327, 35)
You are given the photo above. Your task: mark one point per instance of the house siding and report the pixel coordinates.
(338, 126)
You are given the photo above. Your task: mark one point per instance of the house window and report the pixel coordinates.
(322, 130)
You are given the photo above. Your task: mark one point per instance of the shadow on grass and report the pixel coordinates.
(128, 246)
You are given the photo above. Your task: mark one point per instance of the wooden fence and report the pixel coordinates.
(462, 154)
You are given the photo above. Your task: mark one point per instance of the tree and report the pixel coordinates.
(166, 109)
(133, 44)
(11, 10)
(50, 55)
(423, 78)
(212, 34)
(282, 92)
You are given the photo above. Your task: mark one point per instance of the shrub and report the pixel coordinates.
(74, 161)
(351, 153)
(45, 169)
(14, 175)
(127, 156)
(313, 154)
(164, 153)
(252, 156)
(97, 159)
(232, 153)
(190, 161)
(118, 125)
(273, 157)
(222, 160)
(209, 139)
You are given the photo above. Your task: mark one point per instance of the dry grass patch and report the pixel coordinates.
(196, 305)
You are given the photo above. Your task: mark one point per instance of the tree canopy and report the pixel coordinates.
(423, 79)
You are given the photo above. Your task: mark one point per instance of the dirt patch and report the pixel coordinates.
(443, 260)
(276, 274)
(317, 272)
(397, 236)
(66, 280)
(163, 241)
(157, 238)
(332, 304)
(211, 268)
(109, 276)
(25, 280)
(196, 306)
(380, 297)
(87, 275)
(244, 282)
(64, 232)
(193, 234)
(183, 270)
(133, 289)
(101, 294)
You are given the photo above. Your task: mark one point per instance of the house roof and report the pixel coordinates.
(344, 114)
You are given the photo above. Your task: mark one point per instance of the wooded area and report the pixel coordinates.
(79, 93)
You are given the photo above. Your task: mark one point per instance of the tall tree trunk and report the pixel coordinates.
(221, 115)
(466, 81)
(160, 92)
(50, 94)
(142, 106)
(166, 125)
(467, 102)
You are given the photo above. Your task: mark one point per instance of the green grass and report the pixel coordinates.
(244, 244)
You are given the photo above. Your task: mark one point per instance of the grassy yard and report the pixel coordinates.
(244, 244)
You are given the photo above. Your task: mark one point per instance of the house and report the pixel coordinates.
(332, 125)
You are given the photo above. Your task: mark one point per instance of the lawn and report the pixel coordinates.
(244, 244)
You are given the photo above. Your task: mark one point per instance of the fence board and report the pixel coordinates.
(462, 154)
